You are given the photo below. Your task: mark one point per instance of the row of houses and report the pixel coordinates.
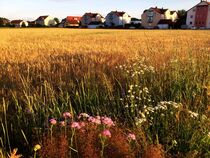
(196, 17)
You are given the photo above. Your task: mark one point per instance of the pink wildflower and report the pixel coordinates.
(131, 136)
(106, 133)
(75, 125)
(62, 123)
(53, 121)
(107, 121)
(67, 115)
(94, 120)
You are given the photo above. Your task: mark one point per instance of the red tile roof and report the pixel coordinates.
(16, 21)
(73, 19)
(42, 18)
(160, 10)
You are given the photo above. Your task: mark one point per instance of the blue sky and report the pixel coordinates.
(31, 9)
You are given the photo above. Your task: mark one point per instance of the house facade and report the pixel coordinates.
(45, 21)
(115, 18)
(151, 17)
(87, 18)
(199, 15)
(4, 21)
(19, 23)
(71, 21)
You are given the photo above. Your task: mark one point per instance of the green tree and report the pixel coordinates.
(57, 20)
(182, 13)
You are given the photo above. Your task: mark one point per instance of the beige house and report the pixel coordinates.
(45, 21)
(88, 18)
(115, 18)
(19, 23)
(151, 17)
(199, 15)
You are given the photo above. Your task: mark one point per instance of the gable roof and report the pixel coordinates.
(73, 19)
(158, 10)
(16, 21)
(207, 3)
(119, 14)
(92, 15)
(42, 18)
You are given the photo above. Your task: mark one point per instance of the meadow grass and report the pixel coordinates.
(124, 74)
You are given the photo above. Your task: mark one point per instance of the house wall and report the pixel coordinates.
(50, 21)
(174, 16)
(208, 19)
(190, 21)
(167, 15)
(193, 17)
(40, 22)
(126, 19)
(112, 19)
(85, 20)
(156, 19)
(201, 16)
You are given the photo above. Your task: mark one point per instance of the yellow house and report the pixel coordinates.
(151, 17)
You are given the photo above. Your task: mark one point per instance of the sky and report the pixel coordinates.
(32, 9)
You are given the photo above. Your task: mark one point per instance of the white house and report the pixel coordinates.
(199, 15)
(45, 21)
(115, 18)
(19, 23)
(87, 18)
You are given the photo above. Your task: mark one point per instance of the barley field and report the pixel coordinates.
(104, 93)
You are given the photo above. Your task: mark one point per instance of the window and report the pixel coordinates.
(191, 16)
(150, 16)
(190, 22)
(196, 23)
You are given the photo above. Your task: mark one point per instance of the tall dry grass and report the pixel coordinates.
(44, 72)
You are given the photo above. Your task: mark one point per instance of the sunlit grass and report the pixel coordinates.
(44, 72)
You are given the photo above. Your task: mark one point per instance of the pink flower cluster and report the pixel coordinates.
(95, 120)
(101, 120)
(107, 121)
(67, 115)
(77, 125)
(106, 133)
(53, 121)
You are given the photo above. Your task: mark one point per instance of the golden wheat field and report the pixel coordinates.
(26, 45)
(45, 72)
